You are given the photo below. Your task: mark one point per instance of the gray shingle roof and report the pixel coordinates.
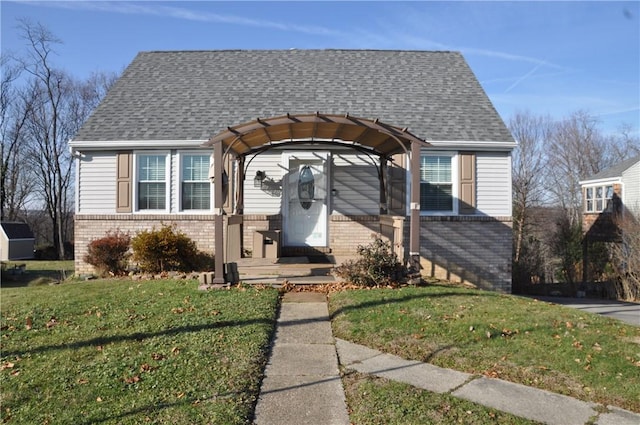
(193, 95)
(616, 170)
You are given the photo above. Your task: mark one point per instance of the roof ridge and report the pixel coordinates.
(295, 49)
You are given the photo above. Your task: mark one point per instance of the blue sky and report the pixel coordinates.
(546, 57)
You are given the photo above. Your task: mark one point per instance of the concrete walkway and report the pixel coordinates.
(302, 382)
(519, 400)
(625, 311)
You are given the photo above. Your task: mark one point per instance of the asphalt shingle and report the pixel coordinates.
(193, 95)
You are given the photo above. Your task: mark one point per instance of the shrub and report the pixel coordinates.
(165, 249)
(378, 265)
(110, 254)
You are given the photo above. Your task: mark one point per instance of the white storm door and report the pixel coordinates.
(305, 200)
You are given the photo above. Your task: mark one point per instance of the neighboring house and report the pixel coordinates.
(314, 146)
(16, 241)
(608, 196)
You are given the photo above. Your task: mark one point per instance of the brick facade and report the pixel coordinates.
(199, 228)
(474, 250)
(467, 249)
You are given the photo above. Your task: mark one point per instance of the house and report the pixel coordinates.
(609, 196)
(16, 241)
(611, 192)
(317, 150)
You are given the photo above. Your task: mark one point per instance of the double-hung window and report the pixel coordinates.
(152, 181)
(436, 183)
(196, 188)
(598, 198)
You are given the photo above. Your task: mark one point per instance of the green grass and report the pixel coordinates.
(377, 401)
(556, 348)
(36, 272)
(123, 352)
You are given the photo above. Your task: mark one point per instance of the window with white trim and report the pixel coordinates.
(195, 185)
(597, 198)
(151, 181)
(436, 183)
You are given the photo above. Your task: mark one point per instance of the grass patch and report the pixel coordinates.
(122, 352)
(35, 272)
(378, 401)
(521, 340)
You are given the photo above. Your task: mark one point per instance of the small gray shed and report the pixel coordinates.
(16, 241)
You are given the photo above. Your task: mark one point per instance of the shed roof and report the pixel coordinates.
(194, 95)
(16, 230)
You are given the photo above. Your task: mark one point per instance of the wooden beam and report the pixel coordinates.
(218, 167)
(414, 224)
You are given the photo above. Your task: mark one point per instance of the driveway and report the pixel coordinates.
(624, 311)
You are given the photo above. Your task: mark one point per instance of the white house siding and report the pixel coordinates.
(265, 200)
(355, 184)
(493, 186)
(97, 183)
(353, 176)
(631, 190)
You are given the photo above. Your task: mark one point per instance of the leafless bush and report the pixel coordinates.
(625, 258)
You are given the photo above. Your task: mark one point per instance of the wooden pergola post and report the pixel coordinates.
(218, 167)
(414, 223)
(383, 185)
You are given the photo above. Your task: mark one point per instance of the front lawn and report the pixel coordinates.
(35, 272)
(552, 347)
(119, 352)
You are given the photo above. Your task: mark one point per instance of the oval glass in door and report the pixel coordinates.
(306, 187)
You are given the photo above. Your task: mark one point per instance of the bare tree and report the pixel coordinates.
(548, 164)
(528, 170)
(59, 105)
(625, 256)
(577, 149)
(15, 184)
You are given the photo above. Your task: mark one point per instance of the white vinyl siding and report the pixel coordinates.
(631, 189)
(265, 200)
(355, 184)
(354, 181)
(97, 183)
(493, 185)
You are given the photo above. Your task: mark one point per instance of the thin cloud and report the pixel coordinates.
(421, 43)
(524, 77)
(143, 8)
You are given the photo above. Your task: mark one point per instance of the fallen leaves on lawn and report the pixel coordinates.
(52, 322)
(157, 356)
(132, 379)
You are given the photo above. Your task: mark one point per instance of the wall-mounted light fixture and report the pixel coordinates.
(259, 178)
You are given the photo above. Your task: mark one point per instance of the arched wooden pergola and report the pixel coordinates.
(371, 136)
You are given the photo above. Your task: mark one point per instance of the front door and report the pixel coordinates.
(305, 200)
